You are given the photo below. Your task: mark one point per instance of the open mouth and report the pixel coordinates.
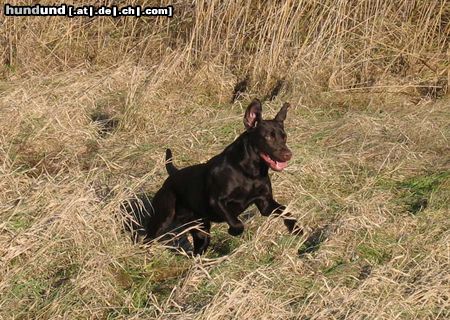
(273, 164)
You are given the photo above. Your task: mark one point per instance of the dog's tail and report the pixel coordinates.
(171, 169)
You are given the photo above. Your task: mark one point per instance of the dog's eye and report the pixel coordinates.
(270, 136)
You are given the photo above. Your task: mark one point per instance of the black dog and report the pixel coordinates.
(223, 187)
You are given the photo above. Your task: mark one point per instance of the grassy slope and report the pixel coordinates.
(370, 166)
(359, 165)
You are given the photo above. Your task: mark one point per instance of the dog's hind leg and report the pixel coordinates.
(201, 237)
(164, 206)
(177, 237)
(183, 221)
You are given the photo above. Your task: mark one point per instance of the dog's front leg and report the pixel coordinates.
(236, 227)
(268, 206)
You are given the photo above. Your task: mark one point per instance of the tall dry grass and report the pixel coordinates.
(369, 130)
(336, 45)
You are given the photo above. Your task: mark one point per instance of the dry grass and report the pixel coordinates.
(369, 129)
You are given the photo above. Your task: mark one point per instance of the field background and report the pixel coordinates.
(88, 105)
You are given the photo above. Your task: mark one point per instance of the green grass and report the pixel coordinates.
(374, 253)
(20, 222)
(418, 190)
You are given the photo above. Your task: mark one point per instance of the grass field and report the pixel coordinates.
(88, 106)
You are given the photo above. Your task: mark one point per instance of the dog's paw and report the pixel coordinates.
(236, 231)
(293, 227)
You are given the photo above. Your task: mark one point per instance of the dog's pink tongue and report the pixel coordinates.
(280, 165)
(273, 164)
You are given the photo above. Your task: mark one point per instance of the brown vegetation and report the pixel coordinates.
(88, 105)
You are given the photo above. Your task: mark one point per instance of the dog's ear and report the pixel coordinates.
(281, 115)
(253, 114)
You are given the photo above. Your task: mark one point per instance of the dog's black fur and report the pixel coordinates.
(223, 187)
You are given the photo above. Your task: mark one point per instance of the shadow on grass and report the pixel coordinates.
(314, 241)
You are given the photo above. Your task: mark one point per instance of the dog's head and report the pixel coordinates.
(268, 136)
